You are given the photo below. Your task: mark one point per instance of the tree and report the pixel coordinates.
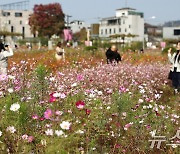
(81, 35)
(6, 33)
(47, 20)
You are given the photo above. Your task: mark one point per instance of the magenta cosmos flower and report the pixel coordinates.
(80, 104)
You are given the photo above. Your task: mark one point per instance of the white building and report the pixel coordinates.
(127, 21)
(77, 25)
(16, 21)
(171, 32)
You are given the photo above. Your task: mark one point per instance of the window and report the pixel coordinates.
(12, 29)
(119, 29)
(9, 22)
(125, 30)
(123, 14)
(5, 14)
(106, 31)
(114, 30)
(23, 32)
(101, 31)
(123, 21)
(176, 31)
(109, 31)
(129, 26)
(20, 22)
(18, 14)
(119, 21)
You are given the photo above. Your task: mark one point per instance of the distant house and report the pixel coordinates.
(16, 21)
(77, 25)
(171, 32)
(152, 30)
(126, 21)
(94, 30)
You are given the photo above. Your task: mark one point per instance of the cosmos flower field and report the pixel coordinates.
(83, 105)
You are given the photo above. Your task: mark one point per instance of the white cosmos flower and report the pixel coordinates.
(108, 107)
(150, 106)
(11, 77)
(49, 132)
(74, 85)
(11, 129)
(56, 95)
(10, 90)
(100, 93)
(15, 107)
(157, 96)
(153, 133)
(140, 100)
(59, 132)
(91, 95)
(142, 91)
(0, 133)
(65, 125)
(62, 95)
(80, 132)
(52, 79)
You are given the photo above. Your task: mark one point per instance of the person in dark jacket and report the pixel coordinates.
(112, 55)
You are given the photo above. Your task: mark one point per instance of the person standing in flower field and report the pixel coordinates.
(60, 52)
(112, 55)
(175, 70)
(5, 52)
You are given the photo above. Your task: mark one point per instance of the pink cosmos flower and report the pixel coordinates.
(80, 104)
(30, 139)
(35, 117)
(80, 77)
(128, 126)
(17, 88)
(48, 113)
(3, 77)
(122, 89)
(59, 113)
(117, 146)
(25, 137)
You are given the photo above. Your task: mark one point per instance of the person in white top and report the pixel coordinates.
(60, 52)
(5, 52)
(175, 61)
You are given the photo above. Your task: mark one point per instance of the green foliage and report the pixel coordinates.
(90, 48)
(81, 36)
(40, 84)
(171, 41)
(134, 46)
(165, 50)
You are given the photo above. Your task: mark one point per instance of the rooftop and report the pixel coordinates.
(126, 8)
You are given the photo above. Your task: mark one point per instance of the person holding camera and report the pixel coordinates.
(175, 70)
(5, 52)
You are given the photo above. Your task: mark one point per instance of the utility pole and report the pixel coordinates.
(68, 16)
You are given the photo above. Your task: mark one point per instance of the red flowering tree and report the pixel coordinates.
(47, 20)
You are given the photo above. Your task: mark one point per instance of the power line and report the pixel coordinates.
(21, 5)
